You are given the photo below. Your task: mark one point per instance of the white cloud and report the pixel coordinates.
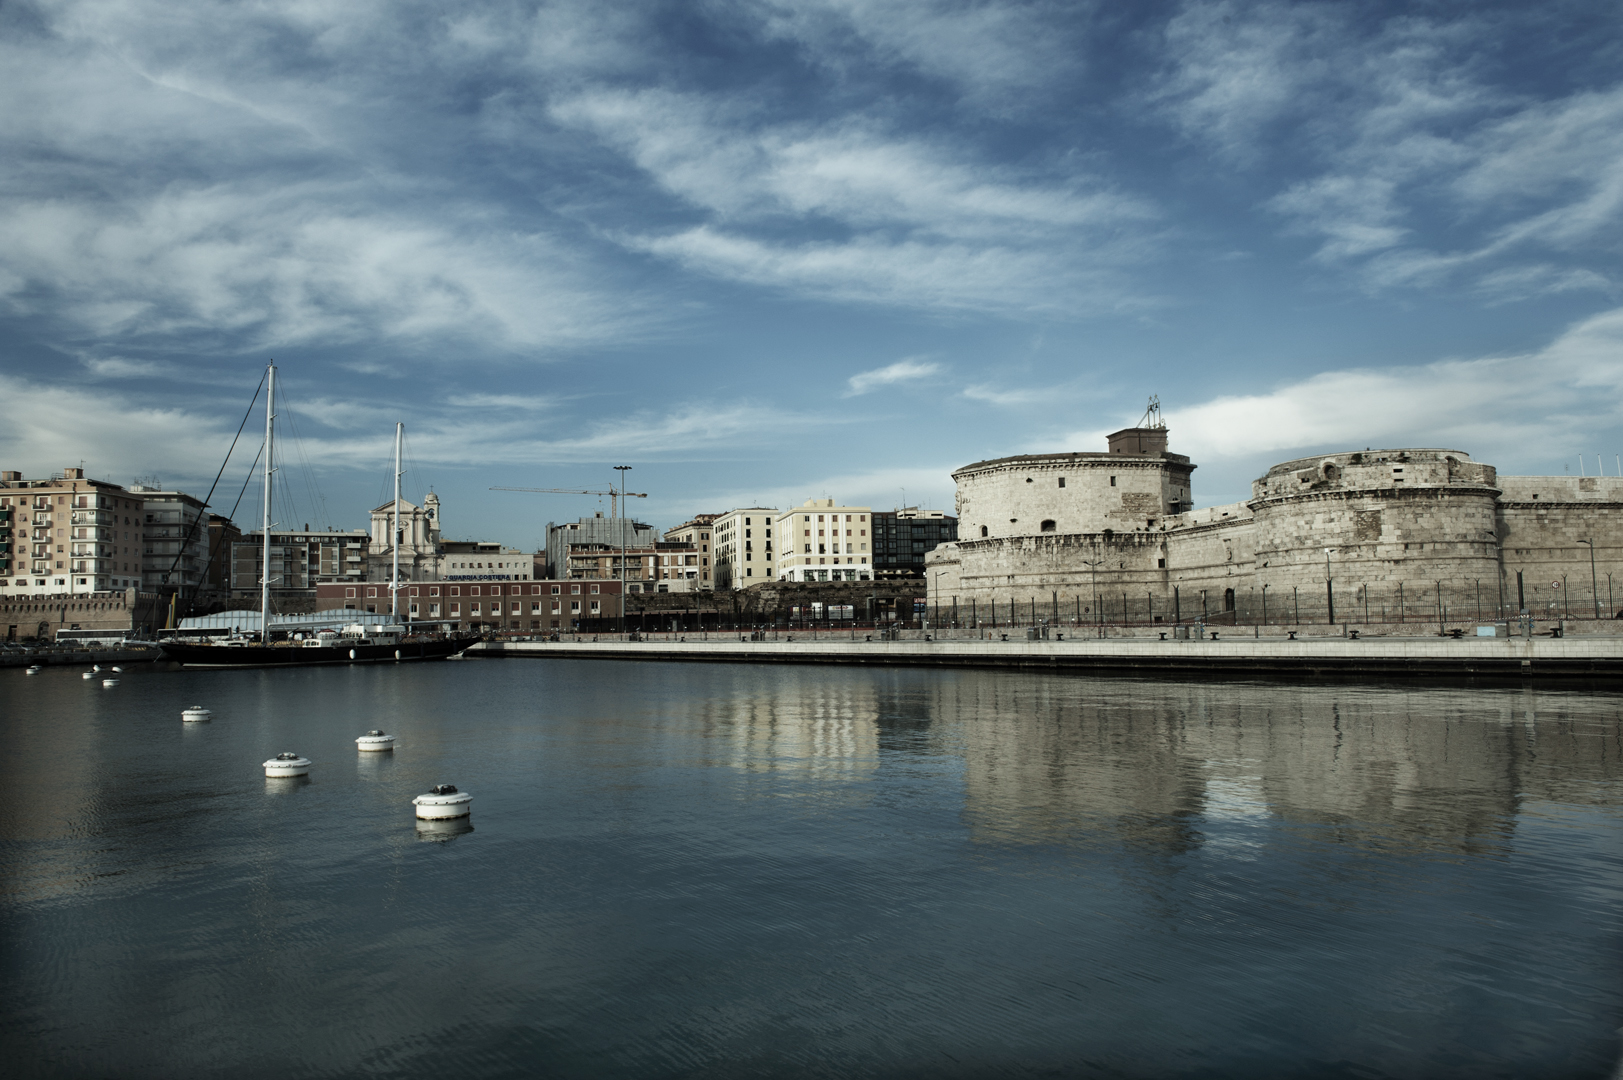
(909, 370)
(847, 210)
(1501, 409)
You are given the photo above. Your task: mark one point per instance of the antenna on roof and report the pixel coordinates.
(1152, 414)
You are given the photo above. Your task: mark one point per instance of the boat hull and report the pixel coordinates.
(253, 656)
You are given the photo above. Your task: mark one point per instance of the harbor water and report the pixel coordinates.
(756, 870)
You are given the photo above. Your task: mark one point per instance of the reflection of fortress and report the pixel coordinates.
(1407, 531)
(1152, 765)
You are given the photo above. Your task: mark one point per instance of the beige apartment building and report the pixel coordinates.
(819, 541)
(68, 535)
(174, 541)
(743, 546)
(697, 533)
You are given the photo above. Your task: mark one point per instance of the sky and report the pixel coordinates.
(765, 251)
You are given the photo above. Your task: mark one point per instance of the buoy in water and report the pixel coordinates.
(95, 667)
(109, 682)
(196, 714)
(90, 675)
(287, 764)
(118, 669)
(443, 801)
(34, 669)
(375, 740)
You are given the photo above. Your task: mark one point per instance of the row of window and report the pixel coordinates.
(473, 590)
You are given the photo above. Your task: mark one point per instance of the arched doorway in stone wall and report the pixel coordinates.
(1228, 599)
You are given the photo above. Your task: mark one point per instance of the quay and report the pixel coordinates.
(1588, 658)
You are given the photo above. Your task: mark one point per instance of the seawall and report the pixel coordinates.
(1377, 658)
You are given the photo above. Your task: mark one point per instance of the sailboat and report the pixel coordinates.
(353, 644)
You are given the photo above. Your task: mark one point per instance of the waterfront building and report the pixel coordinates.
(743, 543)
(596, 530)
(493, 603)
(300, 558)
(70, 556)
(658, 567)
(1398, 535)
(174, 541)
(903, 538)
(819, 541)
(697, 532)
(69, 535)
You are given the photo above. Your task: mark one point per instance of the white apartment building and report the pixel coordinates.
(743, 547)
(819, 541)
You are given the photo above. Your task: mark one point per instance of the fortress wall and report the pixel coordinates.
(1540, 539)
(1417, 535)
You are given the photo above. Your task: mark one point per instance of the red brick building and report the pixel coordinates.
(528, 606)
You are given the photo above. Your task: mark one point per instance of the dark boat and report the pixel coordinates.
(356, 645)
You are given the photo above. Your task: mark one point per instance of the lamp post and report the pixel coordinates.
(622, 470)
(937, 591)
(1594, 583)
(1329, 586)
(1099, 616)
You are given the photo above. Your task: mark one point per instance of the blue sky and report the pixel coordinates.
(768, 251)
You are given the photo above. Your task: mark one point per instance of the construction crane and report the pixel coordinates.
(614, 496)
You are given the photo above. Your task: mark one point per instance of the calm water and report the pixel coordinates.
(686, 870)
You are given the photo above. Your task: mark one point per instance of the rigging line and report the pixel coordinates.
(306, 470)
(246, 480)
(191, 531)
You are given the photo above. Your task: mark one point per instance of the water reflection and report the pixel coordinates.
(1152, 764)
(688, 870)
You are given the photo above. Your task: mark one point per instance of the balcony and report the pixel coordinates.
(92, 517)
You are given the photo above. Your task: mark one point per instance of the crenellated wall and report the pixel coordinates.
(1412, 535)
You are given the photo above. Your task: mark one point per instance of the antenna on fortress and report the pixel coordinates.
(1152, 414)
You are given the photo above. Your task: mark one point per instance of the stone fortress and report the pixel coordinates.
(1406, 535)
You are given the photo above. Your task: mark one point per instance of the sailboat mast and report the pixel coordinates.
(265, 520)
(394, 586)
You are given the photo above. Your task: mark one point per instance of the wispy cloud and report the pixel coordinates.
(909, 370)
(1504, 409)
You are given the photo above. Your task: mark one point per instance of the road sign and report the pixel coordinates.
(1555, 584)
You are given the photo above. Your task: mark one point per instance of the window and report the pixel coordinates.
(595, 589)
(1112, 481)
(473, 609)
(371, 591)
(535, 590)
(1160, 564)
(555, 604)
(473, 590)
(456, 590)
(1048, 525)
(349, 594)
(1062, 481)
(575, 590)
(434, 590)
(596, 606)
(556, 589)
(574, 607)
(983, 530)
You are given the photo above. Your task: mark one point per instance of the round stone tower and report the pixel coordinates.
(1423, 519)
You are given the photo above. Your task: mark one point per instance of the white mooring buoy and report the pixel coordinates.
(196, 714)
(118, 669)
(34, 669)
(109, 682)
(95, 667)
(443, 801)
(90, 675)
(288, 764)
(375, 740)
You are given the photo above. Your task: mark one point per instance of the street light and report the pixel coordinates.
(1329, 586)
(1594, 584)
(622, 470)
(1098, 615)
(938, 575)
